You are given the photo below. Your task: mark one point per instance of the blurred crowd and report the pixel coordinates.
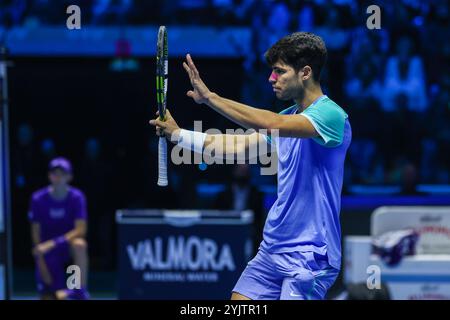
(391, 81)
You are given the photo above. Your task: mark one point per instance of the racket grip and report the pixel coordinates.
(162, 162)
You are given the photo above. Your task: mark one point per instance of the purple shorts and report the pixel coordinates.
(286, 276)
(56, 261)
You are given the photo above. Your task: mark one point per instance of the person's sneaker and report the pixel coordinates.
(78, 294)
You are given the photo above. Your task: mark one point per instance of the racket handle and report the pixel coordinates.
(162, 162)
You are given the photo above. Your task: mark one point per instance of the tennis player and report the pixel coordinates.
(58, 218)
(300, 255)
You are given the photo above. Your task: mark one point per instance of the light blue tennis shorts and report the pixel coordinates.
(286, 276)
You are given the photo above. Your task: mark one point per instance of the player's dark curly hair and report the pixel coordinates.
(298, 50)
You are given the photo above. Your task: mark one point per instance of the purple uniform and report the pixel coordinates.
(56, 217)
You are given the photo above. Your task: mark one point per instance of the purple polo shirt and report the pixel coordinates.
(57, 217)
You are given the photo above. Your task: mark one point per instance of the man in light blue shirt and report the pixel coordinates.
(305, 216)
(300, 255)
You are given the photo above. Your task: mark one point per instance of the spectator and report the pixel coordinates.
(403, 132)
(409, 180)
(367, 48)
(361, 154)
(331, 31)
(12, 12)
(111, 11)
(191, 11)
(405, 75)
(58, 218)
(306, 18)
(364, 83)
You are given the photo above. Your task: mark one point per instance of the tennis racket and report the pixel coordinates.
(161, 97)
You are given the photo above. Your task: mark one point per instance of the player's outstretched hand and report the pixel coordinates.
(200, 92)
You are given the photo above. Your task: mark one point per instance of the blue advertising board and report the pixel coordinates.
(172, 255)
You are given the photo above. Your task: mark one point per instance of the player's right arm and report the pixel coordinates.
(246, 146)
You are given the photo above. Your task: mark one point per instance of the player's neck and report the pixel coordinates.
(58, 192)
(310, 95)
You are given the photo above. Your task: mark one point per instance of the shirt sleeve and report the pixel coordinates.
(329, 122)
(269, 139)
(80, 207)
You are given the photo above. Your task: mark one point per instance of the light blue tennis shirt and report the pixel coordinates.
(305, 216)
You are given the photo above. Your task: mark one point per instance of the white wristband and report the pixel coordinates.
(192, 140)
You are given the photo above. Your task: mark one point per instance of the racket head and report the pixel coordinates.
(162, 71)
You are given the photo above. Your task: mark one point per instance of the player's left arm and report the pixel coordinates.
(250, 117)
(244, 115)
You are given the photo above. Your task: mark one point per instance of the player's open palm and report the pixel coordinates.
(200, 92)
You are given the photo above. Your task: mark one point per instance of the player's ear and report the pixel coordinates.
(306, 73)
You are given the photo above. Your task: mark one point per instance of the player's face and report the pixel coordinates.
(286, 83)
(59, 177)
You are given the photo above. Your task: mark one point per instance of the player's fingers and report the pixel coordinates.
(185, 66)
(157, 113)
(190, 93)
(157, 122)
(190, 62)
(188, 70)
(192, 65)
